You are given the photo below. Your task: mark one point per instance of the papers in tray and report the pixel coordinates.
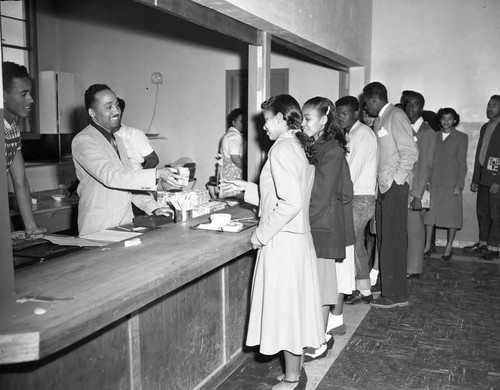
(111, 235)
(233, 227)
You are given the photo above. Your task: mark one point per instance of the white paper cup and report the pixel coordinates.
(220, 219)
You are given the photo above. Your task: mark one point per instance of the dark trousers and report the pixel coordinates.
(488, 217)
(392, 217)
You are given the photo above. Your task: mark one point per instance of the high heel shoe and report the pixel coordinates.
(301, 383)
(428, 253)
(447, 257)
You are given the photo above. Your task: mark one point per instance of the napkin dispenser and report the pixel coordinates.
(153, 221)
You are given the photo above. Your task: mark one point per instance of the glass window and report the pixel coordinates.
(16, 42)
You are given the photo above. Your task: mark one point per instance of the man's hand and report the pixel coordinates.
(457, 190)
(473, 187)
(494, 188)
(416, 204)
(166, 175)
(163, 211)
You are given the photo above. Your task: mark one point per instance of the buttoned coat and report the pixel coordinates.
(284, 190)
(332, 225)
(448, 171)
(107, 182)
(422, 170)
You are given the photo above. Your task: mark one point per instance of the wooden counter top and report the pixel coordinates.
(106, 284)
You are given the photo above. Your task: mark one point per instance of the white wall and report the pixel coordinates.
(447, 50)
(120, 43)
(306, 79)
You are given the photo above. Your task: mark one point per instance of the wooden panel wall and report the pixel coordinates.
(99, 362)
(238, 280)
(181, 336)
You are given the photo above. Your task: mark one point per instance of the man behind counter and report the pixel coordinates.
(17, 102)
(108, 182)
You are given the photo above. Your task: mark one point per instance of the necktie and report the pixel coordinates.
(376, 124)
(115, 145)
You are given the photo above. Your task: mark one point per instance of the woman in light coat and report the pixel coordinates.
(285, 311)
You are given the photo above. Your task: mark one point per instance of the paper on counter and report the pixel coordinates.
(68, 240)
(111, 235)
(233, 227)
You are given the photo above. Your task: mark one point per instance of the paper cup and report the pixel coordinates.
(220, 219)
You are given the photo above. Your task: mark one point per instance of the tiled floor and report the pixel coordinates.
(448, 338)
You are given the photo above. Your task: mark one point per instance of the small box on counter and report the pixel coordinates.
(208, 208)
(152, 221)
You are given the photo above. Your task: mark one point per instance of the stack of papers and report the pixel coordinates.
(233, 227)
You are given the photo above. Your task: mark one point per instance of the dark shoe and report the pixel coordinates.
(315, 353)
(338, 330)
(477, 247)
(356, 298)
(388, 303)
(428, 253)
(489, 255)
(330, 342)
(301, 383)
(413, 276)
(447, 257)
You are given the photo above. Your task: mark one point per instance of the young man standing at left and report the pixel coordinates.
(17, 102)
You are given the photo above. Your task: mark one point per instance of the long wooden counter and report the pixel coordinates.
(167, 313)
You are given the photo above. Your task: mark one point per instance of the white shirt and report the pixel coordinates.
(232, 143)
(416, 126)
(136, 144)
(362, 159)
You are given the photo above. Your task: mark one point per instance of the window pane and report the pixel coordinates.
(13, 32)
(14, 9)
(16, 55)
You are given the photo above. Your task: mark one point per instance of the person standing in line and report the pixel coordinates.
(362, 160)
(397, 152)
(285, 304)
(425, 137)
(329, 213)
(447, 180)
(17, 102)
(486, 182)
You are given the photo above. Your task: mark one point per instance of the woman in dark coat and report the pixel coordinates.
(330, 210)
(447, 180)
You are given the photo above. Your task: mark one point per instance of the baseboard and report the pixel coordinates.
(223, 372)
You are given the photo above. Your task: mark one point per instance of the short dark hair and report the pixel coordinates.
(448, 110)
(348, 101)
(416, 95)
(495, 97)
(233, 115)
(11, 71)
(90, 93)
(375, 89)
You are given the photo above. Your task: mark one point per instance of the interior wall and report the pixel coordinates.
(307, 79)
(341, 26)
(445, 50)
(121, 43)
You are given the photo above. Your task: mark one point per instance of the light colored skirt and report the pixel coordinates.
(346, 272)
(285, 304)
(327, 274)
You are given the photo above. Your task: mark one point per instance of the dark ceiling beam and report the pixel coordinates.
(206, 17)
